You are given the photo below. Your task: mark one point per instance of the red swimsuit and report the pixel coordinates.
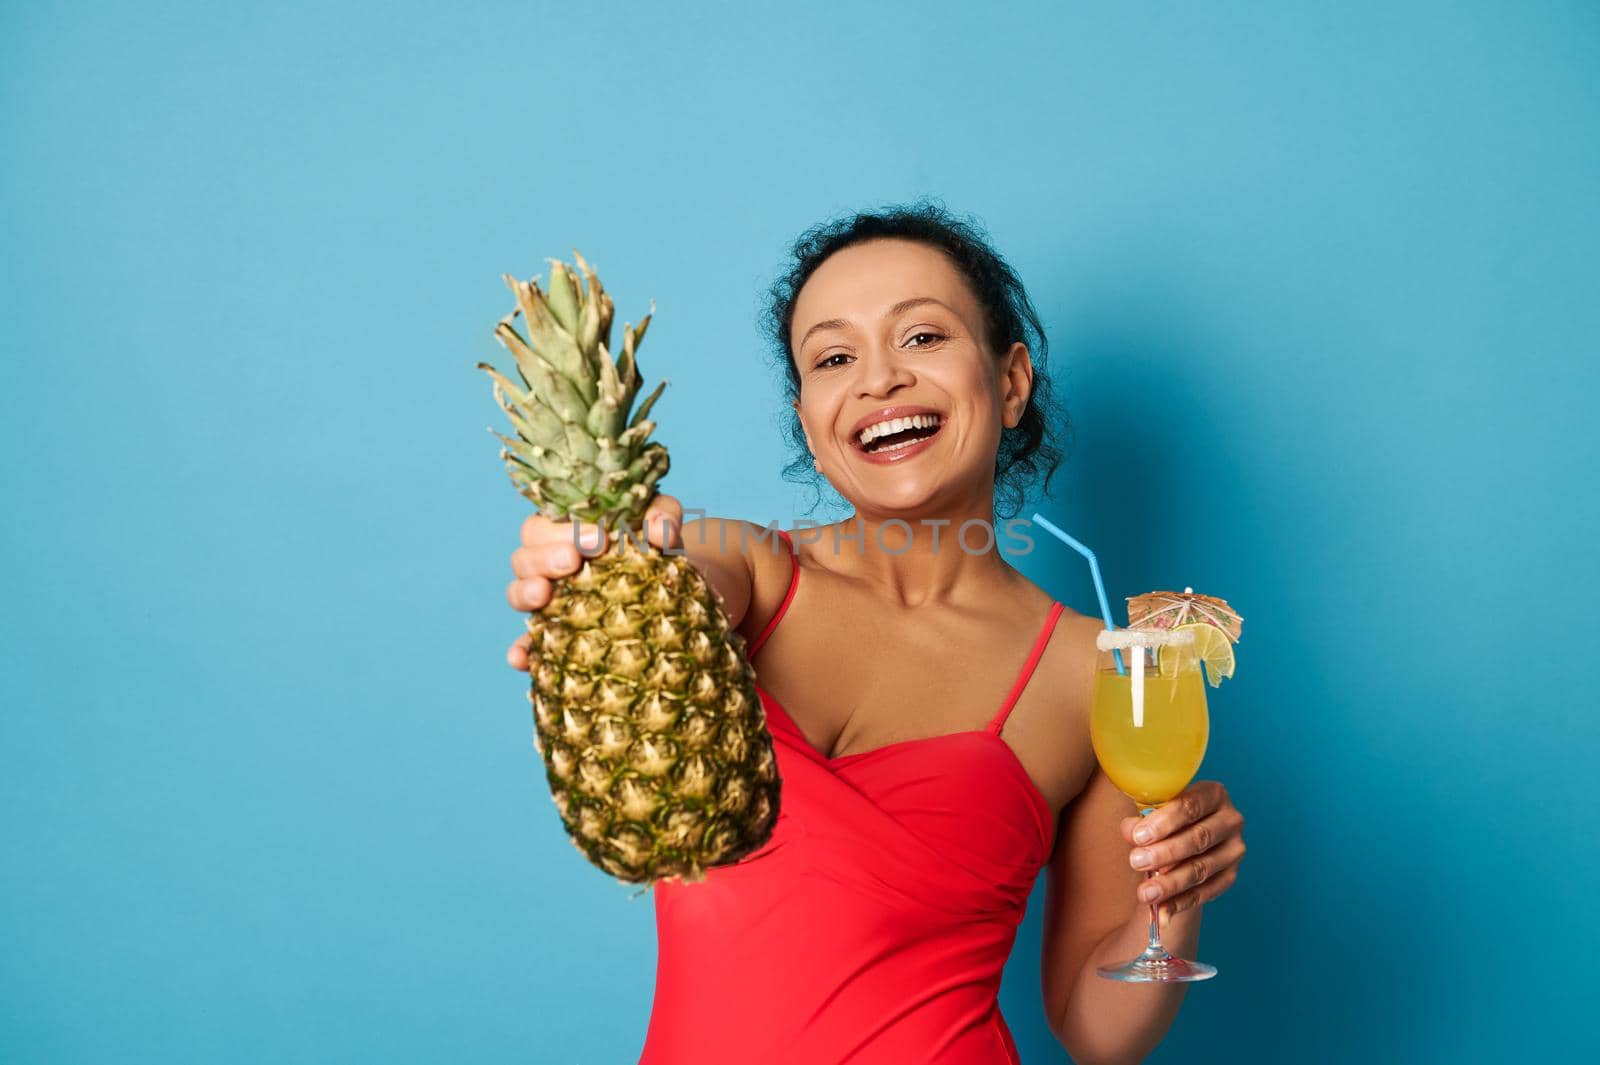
(873, 926)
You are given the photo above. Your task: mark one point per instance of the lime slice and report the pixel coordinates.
(1210, 646)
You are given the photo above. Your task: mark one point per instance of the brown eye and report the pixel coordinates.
(936, 337)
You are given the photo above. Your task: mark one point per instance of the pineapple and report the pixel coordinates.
(655, 745)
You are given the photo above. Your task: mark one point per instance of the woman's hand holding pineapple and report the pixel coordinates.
(552, 549)
(645, 708)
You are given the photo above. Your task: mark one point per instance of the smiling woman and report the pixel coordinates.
(928, 704)
(999, 316)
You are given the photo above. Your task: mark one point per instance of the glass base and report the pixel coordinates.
(1158, 967)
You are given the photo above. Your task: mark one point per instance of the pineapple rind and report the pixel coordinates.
(656, 748)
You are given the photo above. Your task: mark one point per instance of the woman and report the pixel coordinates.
(929, 704)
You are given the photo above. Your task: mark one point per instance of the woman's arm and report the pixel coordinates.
(1093, 918)
(1093, 915)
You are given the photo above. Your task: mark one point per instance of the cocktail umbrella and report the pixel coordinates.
(1166, 610)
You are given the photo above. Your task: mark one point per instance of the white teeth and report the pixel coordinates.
(897, 425)
(895, 447)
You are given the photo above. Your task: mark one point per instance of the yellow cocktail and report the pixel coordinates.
(1147, 720)
(1149, 728)
(1154, 760)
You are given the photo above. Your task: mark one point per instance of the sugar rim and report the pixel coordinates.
(1118, 639)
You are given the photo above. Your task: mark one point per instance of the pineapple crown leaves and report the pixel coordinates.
(578, 451)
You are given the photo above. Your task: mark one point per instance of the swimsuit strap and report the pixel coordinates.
(794, 581)
(1027, 667)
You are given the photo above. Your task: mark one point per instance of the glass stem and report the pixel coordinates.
(1155, 946)
(1155, 925)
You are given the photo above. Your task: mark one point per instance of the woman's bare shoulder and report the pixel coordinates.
(1072, 630)
(1068, 661)
(1052, 735)
(1075, 648)
(1080, 623)
(1069, 657)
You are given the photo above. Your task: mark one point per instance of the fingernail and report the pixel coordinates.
(1148, 893)
(1143, 834)
(1140, 859)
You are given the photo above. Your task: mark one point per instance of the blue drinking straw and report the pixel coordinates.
(1094, 571)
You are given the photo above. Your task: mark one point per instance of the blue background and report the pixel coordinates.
(1326, 279)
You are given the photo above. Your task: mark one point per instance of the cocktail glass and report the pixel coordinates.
(1149, 729)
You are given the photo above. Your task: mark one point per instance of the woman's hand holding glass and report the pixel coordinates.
(1194, 843)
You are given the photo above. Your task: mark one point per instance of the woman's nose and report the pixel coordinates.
(882, 373)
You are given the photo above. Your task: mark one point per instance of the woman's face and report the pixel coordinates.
(864, 351)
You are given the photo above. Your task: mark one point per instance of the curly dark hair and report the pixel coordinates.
(1027, 447)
